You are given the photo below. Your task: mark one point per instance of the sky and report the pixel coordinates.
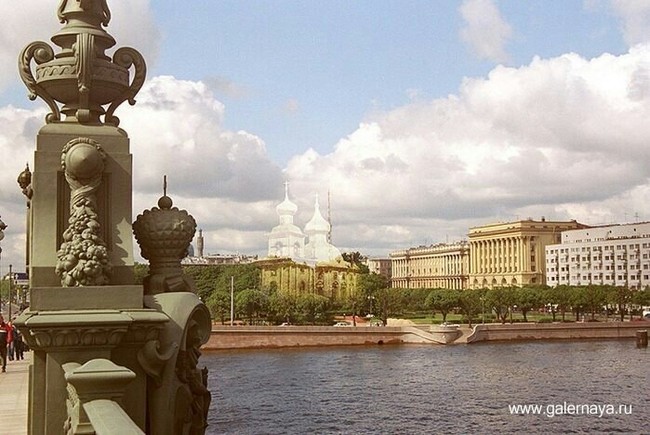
(421, 118)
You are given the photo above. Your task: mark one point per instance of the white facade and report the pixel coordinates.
(287, 240)
(616, 255)
(317, 229)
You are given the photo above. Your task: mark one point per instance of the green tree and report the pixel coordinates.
(314, 308)
(641, 298)
(595, 298)
(578, 300)
(500, 300)
(252, 303)
(244, 276)
(355, 304)
(413, 300)
(355, 259)
(443, 300)
(219, 305)
(470, 302)
(620, 297)
(559, 298)
(283, 307)
(204, 278)
(528, 298)
(388, 303)
(369, 283)
(366, 297)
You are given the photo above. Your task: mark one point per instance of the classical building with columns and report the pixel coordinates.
(437, 266)
(513, 253)
(616, 255)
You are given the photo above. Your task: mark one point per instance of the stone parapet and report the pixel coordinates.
(258, 337)
(555, 331)
(242, 337)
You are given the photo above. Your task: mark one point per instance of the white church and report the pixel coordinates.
(311, 246)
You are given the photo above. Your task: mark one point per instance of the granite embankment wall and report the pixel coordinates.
(243, 337)
(556, 331)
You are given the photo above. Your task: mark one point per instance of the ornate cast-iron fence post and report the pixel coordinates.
(123, 356)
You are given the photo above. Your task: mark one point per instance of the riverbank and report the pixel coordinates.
(556, 331)
(254, 337)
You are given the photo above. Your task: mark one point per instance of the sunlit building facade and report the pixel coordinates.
(512, 253)
(616, 255)
(437, 266)
(336, 280)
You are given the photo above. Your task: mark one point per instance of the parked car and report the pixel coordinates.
(339, 324)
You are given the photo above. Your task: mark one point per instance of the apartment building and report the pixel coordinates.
(616, 255)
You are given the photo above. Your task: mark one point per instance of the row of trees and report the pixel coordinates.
(499, 303)
(502, 301)
(251, 302)
(374, 296)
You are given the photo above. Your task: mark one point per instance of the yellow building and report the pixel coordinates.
(334, 280)
(438, 266)
(512, 253)
(305, 261)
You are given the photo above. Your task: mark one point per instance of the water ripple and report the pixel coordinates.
(428, 389)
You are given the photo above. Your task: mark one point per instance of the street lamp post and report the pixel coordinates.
(232, 300)
(3, 226)
(370, 299)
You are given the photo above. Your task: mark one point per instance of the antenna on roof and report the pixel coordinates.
(329, 216)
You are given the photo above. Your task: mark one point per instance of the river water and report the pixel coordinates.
(578, 387)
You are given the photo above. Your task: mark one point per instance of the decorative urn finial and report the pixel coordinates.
(82, 76)
(164, 234)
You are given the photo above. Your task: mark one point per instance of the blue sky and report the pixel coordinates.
(422, 118)
(304, 73)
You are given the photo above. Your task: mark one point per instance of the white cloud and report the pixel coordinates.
(225, 179)
(565, 137)
(131, 24)
(635, 19)
(486, 32)
(199, 156)
(543, 139)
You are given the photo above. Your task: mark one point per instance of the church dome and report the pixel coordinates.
(286, 207)
(317, 224)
